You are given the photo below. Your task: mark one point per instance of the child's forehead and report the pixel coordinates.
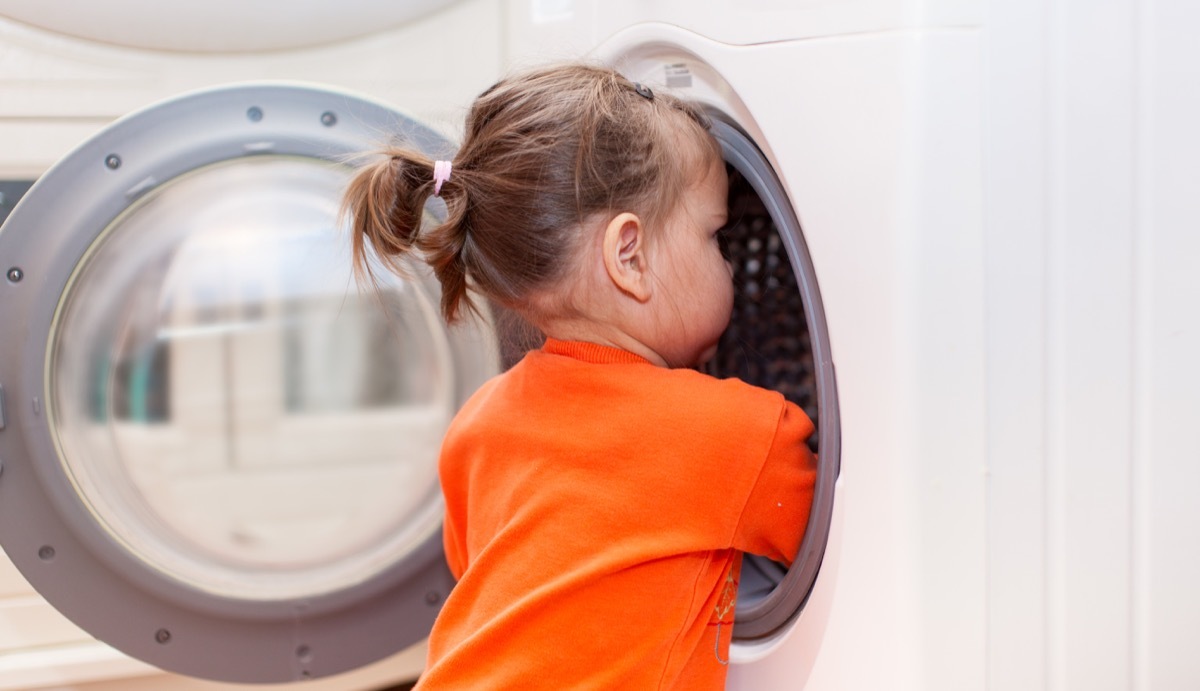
(693, 140)
(696, 153)
(704, 166)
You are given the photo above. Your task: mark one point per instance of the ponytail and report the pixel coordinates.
(385, 202)
(543, 153)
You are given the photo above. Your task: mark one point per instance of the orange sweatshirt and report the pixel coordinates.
(596, 511)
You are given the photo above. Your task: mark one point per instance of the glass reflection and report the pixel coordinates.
(230, 406)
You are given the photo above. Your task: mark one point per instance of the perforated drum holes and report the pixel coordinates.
(767, 341)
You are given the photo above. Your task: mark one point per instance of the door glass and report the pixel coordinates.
(227, 402)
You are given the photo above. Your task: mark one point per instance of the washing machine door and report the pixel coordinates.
(217, 453)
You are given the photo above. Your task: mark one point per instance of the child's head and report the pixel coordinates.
(548, 158)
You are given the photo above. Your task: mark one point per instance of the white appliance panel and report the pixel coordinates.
(56, 90)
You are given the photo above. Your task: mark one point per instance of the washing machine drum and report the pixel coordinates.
(219, 454)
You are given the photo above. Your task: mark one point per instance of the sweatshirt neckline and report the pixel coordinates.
(593, 353)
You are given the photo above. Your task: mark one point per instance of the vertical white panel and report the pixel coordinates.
(1090, 343)
(1015, 130)
(1167, 575)
(1115, 173)
(947, 411)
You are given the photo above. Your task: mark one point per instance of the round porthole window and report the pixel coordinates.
(777, 339)
(219, 454)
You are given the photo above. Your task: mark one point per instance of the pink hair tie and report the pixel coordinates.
(441, 173)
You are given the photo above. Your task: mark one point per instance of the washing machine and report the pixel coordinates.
(861, 117)
(990, 205)
(221, 408)
(858, 130)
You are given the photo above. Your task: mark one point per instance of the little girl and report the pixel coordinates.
(600, 493)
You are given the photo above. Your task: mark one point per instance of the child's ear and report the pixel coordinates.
(625, 257)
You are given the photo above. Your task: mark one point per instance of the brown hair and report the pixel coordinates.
(543, 151)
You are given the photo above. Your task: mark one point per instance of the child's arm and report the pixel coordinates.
(773, 522)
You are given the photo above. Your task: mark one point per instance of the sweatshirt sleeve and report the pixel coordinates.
(776, 513)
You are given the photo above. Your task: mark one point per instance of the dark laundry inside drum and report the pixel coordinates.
(767, 341)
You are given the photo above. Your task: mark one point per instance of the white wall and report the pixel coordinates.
(1093, 160)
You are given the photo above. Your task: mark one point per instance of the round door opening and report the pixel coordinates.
(776, 339)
